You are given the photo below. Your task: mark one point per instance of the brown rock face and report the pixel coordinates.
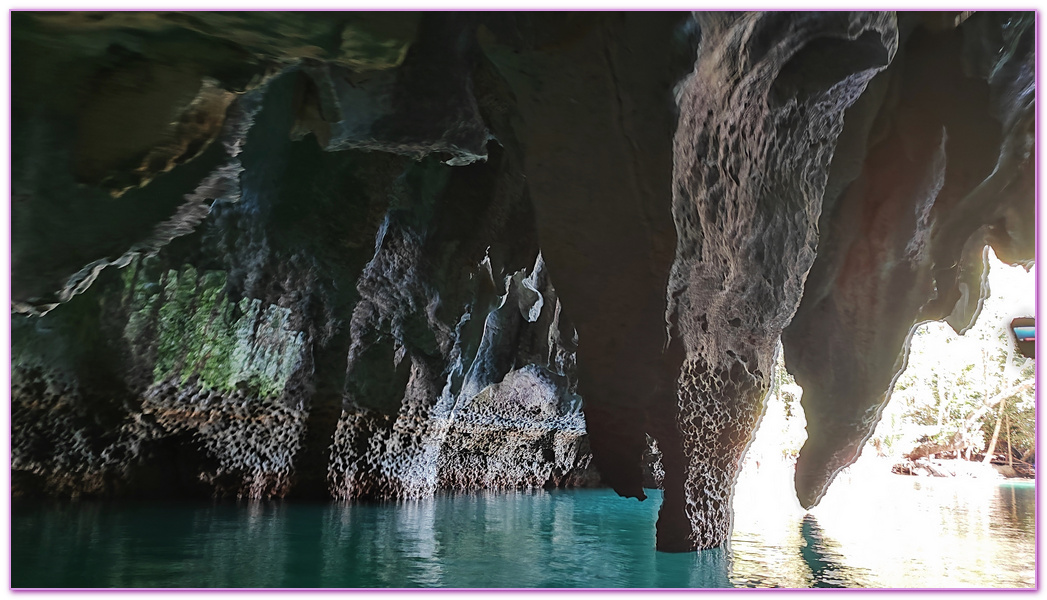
(361, 257)
(185, 114)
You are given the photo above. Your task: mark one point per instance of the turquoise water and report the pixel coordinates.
(579, 538)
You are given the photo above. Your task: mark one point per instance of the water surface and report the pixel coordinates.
(913, 532)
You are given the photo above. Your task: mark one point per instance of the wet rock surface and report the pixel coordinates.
(362, 257)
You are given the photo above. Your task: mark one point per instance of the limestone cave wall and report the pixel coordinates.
(370, 256)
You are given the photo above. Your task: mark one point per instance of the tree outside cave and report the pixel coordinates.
(969, 397)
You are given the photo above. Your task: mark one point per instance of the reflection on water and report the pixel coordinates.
(945, 536)
(875, 529)
(820, 558)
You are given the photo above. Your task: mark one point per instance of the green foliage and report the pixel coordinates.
(200, 333)
(954, 384)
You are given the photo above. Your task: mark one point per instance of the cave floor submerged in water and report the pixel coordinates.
(893, 532)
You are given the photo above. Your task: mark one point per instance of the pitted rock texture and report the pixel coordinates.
(753, 146)
(500, 368)
(312, 332)
(947, 169)
(526, 429)
(372, 256)
(197, 392)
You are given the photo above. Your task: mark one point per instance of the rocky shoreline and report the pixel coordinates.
(957, 467)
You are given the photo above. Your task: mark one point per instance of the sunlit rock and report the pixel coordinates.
(946, 167)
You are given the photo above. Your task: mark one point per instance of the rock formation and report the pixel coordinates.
(752, 163)
(946, 167)
(375, 255)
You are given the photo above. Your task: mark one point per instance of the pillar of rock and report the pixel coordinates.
(759, 121)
